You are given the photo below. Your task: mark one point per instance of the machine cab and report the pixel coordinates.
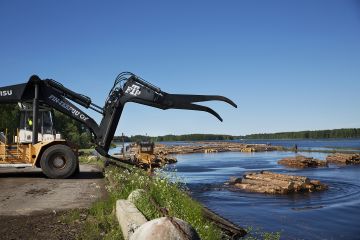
(45, 123)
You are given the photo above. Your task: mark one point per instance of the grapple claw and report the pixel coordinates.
(139, 91)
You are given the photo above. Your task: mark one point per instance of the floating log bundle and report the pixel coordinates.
(302, 162)
(344, 158)
(213, 147)
(275, 183)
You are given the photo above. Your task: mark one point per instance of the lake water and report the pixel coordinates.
(332, 214)
(318, 144)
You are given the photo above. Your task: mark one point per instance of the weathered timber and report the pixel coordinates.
(275, 183)
(302, 162)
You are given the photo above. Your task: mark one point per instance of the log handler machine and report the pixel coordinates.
(36, 144)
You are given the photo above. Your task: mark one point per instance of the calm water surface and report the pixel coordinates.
(333, 214)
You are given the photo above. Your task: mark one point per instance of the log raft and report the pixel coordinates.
(302, 162)
(344, 158)
(275, 183)
(213, 147)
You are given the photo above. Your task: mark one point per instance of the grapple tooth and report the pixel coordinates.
(189, 98)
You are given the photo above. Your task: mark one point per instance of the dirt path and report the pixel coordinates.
(40, 226)
(31, 205)
(25, 191)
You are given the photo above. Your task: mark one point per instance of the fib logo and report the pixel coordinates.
(133, 90)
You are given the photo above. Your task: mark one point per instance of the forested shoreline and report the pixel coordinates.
(316, 134)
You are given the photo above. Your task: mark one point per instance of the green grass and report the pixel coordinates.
(90, 159)
(163, 194)
(101, 222)
(71, 216)
(86, 151)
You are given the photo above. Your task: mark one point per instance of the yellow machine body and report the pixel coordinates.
(24, 153)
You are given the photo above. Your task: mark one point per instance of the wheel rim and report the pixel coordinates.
(58, 162)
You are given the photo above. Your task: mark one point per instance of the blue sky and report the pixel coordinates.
(289, 65)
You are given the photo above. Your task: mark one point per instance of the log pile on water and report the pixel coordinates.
(302, 162)
(213, 147)
(145, 159)
(344, 158)
(275, 183)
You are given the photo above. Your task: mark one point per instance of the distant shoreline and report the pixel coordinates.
(343, 133)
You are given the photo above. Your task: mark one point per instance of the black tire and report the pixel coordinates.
(58, 161)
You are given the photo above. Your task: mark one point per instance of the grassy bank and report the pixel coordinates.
(161, 193)
(101, 222)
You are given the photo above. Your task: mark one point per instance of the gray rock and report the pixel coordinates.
(165, 228)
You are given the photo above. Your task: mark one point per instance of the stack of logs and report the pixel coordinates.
(211, 147)
(344, 158)
(275, 183)
(336, 158)
(302, 162)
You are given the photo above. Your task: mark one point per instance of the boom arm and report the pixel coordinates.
(127, 88)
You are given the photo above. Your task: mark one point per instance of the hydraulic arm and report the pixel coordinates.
(127, 88)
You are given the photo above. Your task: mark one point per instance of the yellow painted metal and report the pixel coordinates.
(24, 153)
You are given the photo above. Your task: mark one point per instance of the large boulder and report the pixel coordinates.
(165, 228)
(275, 183)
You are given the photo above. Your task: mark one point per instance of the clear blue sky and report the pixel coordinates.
(289, 65)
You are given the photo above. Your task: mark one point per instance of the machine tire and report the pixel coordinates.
(58, 161)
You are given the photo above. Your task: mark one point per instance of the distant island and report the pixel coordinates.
(318, 134)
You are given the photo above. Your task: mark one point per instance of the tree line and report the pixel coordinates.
(317, 134)
(173, 138)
